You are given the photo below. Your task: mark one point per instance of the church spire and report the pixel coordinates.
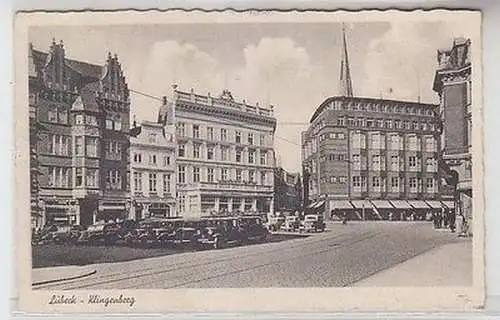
(345, 83)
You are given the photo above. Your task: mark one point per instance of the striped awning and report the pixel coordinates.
(434, 204)
(418, 204)
(449, 204)
(319, 204)
(382, 204)
(360, 204)
(340, 204)
(401, 204)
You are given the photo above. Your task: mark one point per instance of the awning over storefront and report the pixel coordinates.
(449, 204)
(340, 204)
(360, 204)
(434, 204)
(382, 204)
(418, 204)
(319, 204)
(400, 204)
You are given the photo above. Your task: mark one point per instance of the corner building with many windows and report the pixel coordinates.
(225, 155)
(80, 112)
(372, 157)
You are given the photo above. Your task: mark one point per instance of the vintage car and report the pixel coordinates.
(184, 237)
(100, 233)
(292, 223)
(60, 234)
(313, 223)
(275, 223)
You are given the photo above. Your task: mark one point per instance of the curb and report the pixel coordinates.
(88, 274)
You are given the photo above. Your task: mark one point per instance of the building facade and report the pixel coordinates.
(225, 155)
(152, 170)
(359, 149)
(287, 191)
(81, 114)
(453, 83)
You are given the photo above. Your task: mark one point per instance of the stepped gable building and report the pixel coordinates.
(225, 155)
(80, 144)
(371, 158)
(153, 167)
(453, 83)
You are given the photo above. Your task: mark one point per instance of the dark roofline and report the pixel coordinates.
(45, 54)
(323, 105)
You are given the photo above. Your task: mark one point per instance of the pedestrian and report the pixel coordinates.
(452, 222)
(462, 224)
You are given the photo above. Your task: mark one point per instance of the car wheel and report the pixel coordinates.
(218, 243)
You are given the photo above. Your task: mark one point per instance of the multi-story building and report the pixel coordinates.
(373, 156)
(225, 155)
(372, 149)
(287, 191)
(152, 169)
(81, 113)
(453, 83)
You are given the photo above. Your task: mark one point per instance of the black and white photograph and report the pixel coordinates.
(257, 152)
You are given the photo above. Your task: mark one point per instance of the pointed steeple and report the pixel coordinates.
(345, 82)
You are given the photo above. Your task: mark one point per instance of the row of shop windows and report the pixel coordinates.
(224, 154)
(199, 174)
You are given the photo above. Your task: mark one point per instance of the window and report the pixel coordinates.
(91, 120)
(182, 203)
(430, 183)
(376, 162)
(340, 136)
(114, 179)
(351, 122)
(196, 150)
(380, 123)
(262, 140)
(406, 124)
(224, 174)
(238, 137)
(412, 143)
(78, 177)
(333, 179)
(395, 182)
(210, 152)
(52, 114)
(152, 182)
(91, 147)
(79, 119)
(137, 157)
(415, 125)
(356, 181)
(251, 156)
(109, 124)
(152, 138)
(118, 123)
(224, 153)
(263, 178)
(152, 159)
(181, 150)
(166, 183)
(196, 131)
(238, 155)
(355, 159)
(388, 124)
(412, 161)
(376, 182)
(413, 184)
(166, 160)
(238, 175)
(250, 139)
(210, 175)
(429, 164)
(430, 144)
(397, 124)
(340, 121)
(79, 146)
(395, 163)
(196, 174)
(342, 180)
(91, 178)
(181, 174)
(137, 181)
(181, 129)
(263, 157)
(223, 134)
(251, 176)
(210, 133)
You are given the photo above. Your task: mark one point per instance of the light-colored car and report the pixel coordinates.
(292, 223)
(275, 223)
(313, 223)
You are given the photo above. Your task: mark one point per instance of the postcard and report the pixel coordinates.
(256, 161)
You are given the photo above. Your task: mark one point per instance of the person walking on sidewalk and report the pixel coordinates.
(462, 223)
(452, 221)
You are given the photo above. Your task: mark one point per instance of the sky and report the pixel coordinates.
(294, 67)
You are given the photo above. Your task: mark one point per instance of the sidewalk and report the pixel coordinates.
(40, 276)
(448, 265)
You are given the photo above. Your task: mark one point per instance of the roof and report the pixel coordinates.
(323, 105)
(88, 96)
(84, 68)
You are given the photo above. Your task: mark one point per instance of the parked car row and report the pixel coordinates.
(310, 223)
(208, 232)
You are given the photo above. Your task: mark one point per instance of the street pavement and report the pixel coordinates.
(342, 256)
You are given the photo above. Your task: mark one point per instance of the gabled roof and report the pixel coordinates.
(84, 68)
